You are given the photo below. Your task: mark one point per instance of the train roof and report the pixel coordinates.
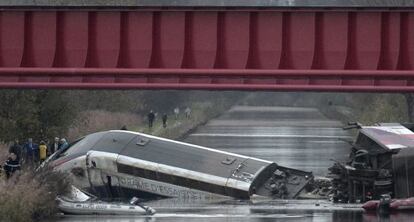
(385, 137)
(147, 148)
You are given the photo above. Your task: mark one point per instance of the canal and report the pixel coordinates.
(295, 137)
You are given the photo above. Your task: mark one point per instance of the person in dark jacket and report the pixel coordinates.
(12, 165)
(53, 147)
(16, 149)
(31, 151)
(151, 118)
(164, 120)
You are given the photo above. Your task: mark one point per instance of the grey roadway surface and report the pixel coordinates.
(295, 137)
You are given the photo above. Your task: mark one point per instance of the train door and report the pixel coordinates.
(102, 182)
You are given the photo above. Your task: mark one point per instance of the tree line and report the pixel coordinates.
(48, 113)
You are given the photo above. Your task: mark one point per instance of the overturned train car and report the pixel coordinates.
(381, 162)
(123, 164)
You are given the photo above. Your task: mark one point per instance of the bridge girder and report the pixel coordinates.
(244, 49)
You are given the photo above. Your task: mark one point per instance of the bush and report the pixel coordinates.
(31, 195)
(383, 108)
(99, 120)
(34, 114)
(4, 152)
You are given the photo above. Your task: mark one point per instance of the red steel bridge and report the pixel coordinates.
(228, 45)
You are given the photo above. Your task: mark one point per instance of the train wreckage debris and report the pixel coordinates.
(379, 164)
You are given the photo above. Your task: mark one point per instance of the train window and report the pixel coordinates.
(82, 146)
(114, 142)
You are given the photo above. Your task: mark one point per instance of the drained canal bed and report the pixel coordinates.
(296, 137)
(300, 138)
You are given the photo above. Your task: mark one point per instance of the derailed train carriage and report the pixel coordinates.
(381, 162)
(123, 164)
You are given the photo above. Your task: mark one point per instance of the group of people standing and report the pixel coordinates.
(151, 116)
(31, 153)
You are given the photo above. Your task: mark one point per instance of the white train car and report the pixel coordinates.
(123, 164)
